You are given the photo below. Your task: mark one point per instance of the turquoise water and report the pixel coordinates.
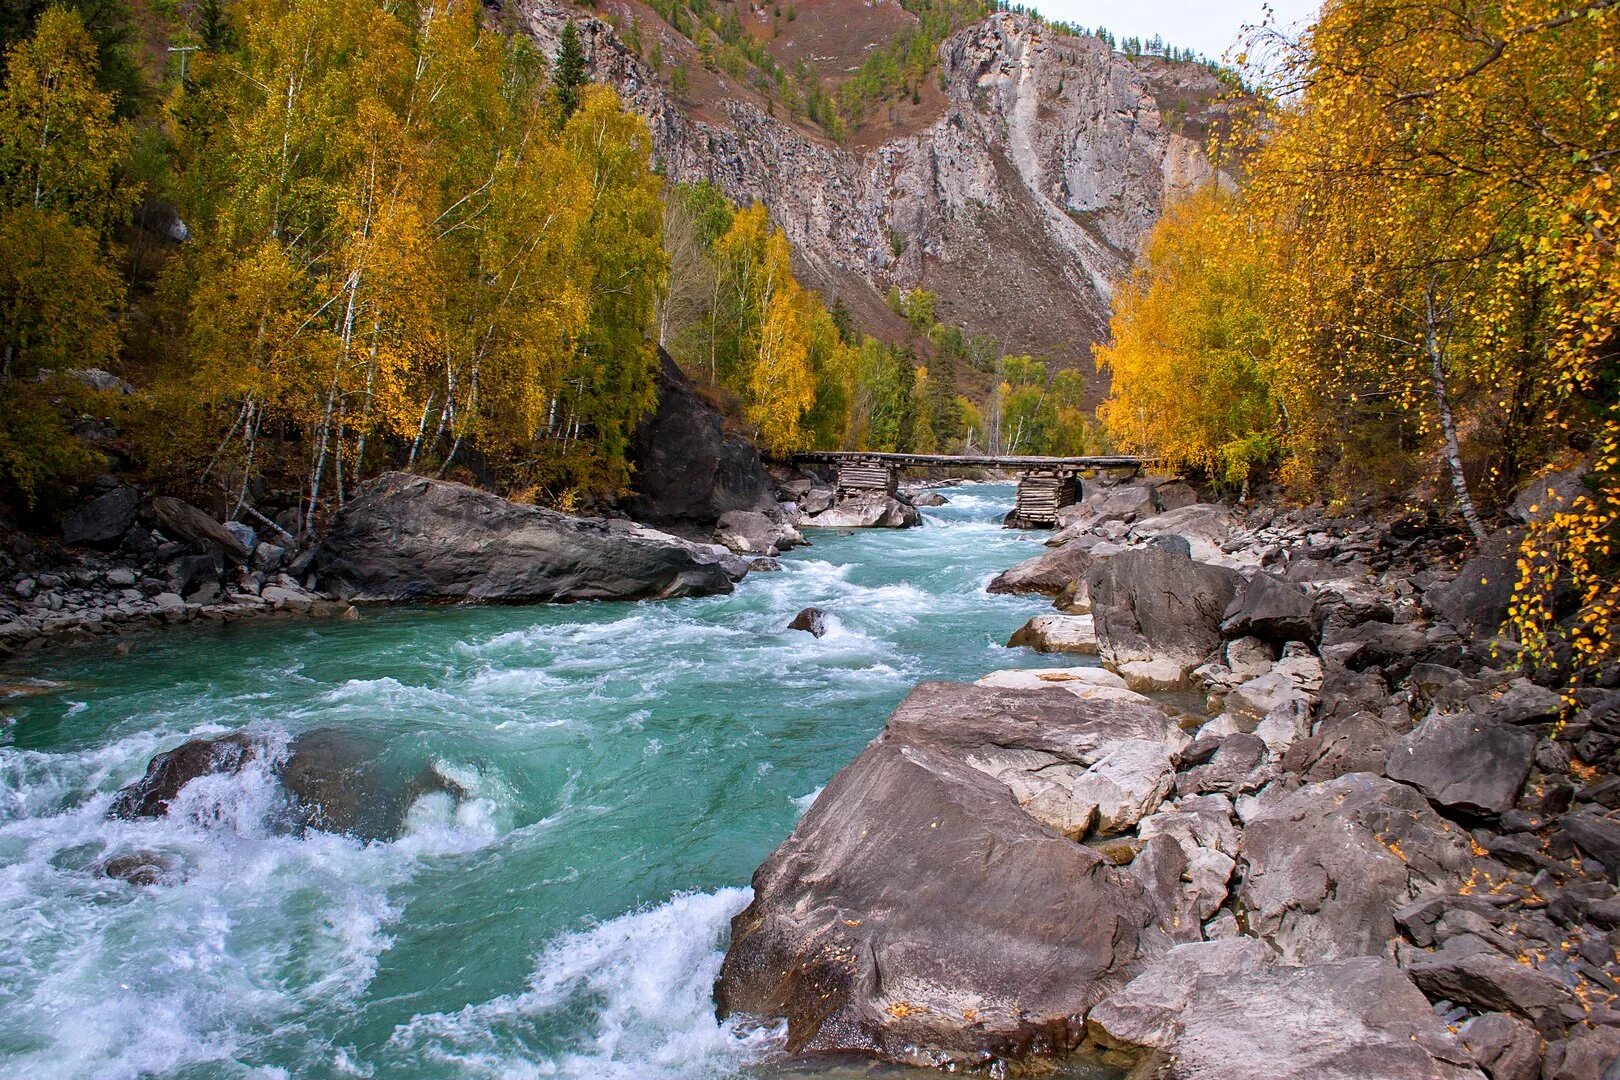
(628, 766)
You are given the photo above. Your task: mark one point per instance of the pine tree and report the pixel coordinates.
(568, 70)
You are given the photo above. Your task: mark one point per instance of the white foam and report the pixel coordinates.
(646, 980)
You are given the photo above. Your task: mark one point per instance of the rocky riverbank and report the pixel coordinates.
(1377, 850)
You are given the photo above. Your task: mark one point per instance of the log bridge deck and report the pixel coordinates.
(1045, 484)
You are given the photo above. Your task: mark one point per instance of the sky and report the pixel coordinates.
(1209, 26)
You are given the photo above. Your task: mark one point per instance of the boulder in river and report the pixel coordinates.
(686, 468)
(1228, 1010)
(867, 510)
(754, 532)
(408, 538)
(172, 770)
(1057, 634)
(919, 915)
(1048, 573)
(811, 620)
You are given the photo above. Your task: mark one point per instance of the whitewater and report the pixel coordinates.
(625, 769)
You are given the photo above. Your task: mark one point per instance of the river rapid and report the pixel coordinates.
(626, 767)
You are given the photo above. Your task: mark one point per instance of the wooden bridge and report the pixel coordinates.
(1045, 484)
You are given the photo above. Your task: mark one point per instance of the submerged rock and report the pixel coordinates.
(172, 770)
(408, 538)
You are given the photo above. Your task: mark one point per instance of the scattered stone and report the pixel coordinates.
(185, 522)
(1477, 598)
(1470, 970)
(1126, 784)
(751, 532)
(1504, 1046)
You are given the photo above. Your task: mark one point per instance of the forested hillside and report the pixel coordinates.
(1413, 295)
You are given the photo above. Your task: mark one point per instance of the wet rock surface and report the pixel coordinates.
(408, 538)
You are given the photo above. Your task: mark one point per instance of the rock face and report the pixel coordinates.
(687, 469)
(916, 894)
(1158, 615)
(408, 538)
(1049, 152)
(1222, 1010)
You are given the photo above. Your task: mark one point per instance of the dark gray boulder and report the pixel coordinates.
(1047, 574)
(1173, 495)
(1158, 615)
(1506, 1047)
(1359, 742)
(1598, 836)
(408, 538)
(686, 469)
(1325, 866)
(1470, 970)
(919, 915)
(1227, 1010)
(1272, 610)
(1476, 600)
(811, 620)
(103, 521)
(1464, 762)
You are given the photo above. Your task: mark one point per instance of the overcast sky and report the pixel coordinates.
(1209, 26)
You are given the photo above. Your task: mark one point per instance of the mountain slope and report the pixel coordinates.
(1017, 187)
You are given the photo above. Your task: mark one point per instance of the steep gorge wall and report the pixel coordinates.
(1021, 204)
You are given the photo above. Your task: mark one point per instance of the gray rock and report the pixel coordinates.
(1158, 615)
(1125, 785)
(686, 469)
(1548, 495)
(928, 498)
(121, 576)
(1464, 763)
(185, 522)
(103, 521)
(1588, 1054)
(1504, 1046)
(1476, 600)
(1325, 866)
(1174, 495)
(1047, 574)
(1235, 767)
(1272, 610)
(753, 532)
(1359, 742)
(868, 510)
(1057, 634)
(191, 573)
(408, 538)
(1469, 970)
(1598, 836)
(245, 536)
(1227, 1010)
(918, 915)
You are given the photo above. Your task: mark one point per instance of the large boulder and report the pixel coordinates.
(409, 538)
(754, 532)
(1227, 1010)
(1206, 526)
(172, 770)
(1271, 610)
(1476, 600)
(1464, 762)
(919, 915)
(866, 510)
(196, 527)
(1048, 573)
(1470, 970)
(686, 468)
(103, 521)
(1158, 614)
(1325, 866)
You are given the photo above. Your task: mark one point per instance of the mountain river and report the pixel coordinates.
(625, 769)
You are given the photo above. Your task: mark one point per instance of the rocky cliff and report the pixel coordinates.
(1019, 191)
